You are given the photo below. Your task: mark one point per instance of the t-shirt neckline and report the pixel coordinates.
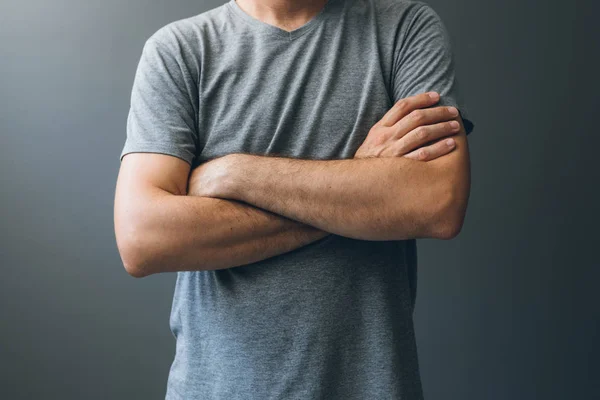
(272, 29)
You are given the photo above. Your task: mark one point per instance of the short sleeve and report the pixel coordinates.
(163, 111)
(424, 61)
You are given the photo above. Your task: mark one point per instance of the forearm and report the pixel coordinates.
(186, 233)
(371, 199)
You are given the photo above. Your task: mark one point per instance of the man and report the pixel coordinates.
(282, 157)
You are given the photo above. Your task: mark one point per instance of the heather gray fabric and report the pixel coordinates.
(331, 320)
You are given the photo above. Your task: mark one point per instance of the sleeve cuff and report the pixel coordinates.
(159, 148)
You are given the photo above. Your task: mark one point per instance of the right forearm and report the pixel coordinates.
(186, 233)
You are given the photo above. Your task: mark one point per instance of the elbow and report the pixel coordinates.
(134, 269)
(133, 256)
(448, 228)
(448, 220)
(133, 264)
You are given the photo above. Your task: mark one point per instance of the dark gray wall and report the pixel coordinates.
(508, 310)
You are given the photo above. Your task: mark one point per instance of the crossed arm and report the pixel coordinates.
(388, 198)
(232, 218)
(160, 229)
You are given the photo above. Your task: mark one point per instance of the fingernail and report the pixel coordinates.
(453, 111)
(450, 142)
(434, 95)
(454, 124)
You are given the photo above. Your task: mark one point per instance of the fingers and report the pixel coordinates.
(423, 117)
(428, 153)
(424, 134)
(405, 106)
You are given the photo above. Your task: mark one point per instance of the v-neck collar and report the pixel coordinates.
(272, 29)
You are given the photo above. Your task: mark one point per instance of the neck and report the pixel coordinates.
(285, 14)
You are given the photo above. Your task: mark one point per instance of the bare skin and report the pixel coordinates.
(160, 229)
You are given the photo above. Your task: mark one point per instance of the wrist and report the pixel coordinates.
(237, 164)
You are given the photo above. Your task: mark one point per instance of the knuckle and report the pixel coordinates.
(399, 147)
(421, 133)
(422, 154)
(398, 132)
(417, 116)
(401, 105)
(381, 138)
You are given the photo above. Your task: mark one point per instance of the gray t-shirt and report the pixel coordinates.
(333, 319)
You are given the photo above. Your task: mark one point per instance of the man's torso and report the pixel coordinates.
(330, 320)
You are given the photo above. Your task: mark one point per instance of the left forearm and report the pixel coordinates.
(371, 198)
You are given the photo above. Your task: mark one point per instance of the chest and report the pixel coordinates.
(313, 99)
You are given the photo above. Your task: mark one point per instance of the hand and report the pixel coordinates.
(212, 178)
(406, 129)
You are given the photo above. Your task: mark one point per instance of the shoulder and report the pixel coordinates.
(183, 41)
(398, 16)
(187, 33)
(405, 12)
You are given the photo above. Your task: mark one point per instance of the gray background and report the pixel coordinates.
(507, 310)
